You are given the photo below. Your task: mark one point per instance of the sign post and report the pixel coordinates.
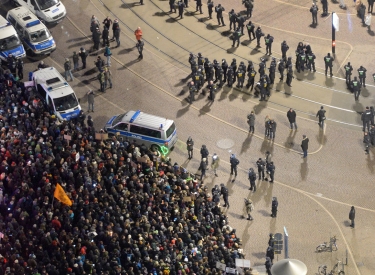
(335, 27)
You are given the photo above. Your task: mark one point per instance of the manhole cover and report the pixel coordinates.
(225, 143)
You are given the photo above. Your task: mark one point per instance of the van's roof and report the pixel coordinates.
(147, 120)
(26, 19)
(51, 79)
(6, 29)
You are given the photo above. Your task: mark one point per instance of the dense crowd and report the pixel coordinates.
(133, 211)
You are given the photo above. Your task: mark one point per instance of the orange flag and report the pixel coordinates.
(61, 195)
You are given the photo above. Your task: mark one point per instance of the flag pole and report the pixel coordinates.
(53, 197)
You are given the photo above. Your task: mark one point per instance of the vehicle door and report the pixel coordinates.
(121, 128)
(50, 106)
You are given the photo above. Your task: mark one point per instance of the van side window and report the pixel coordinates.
(19, 29)
(145, 131)
(41, 91)
(11, 20)
(34, 4)
(122, 127)
(25, 1)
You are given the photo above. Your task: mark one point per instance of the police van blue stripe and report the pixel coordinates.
(42, 46)
(18, 51)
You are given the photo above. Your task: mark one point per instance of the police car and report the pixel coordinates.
(9, 41)
(56, 93)
(50, 11)
(33, 33)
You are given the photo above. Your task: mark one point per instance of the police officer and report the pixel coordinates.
(233, 164)
(204, 153)
(210, 7)
(362, 76)
(216, 67)
(289, 76)
(251, 78)
(12, 64)
(236, 37)
(284, 49)
(249, 8)
(252, 178)
(203, 168)
(268, 265)
(190, 147)
(207, 68)
(250, 30)
(219, 14)
(261, 166)
(314, 12)
(240, 78)
(325, 7)
(219, 76)
(263, 88)
(302, 60)
(83, 54)
(372, 135)
(232, 20)
(321, 114)
(366, 119)
(198, 79)
(181, 7)
(19, 65)
(262, 66)
(192, 91)
(328, 59)
(172, 5)
(224, 191)
(275, 204)
(105, 36)
(224, 66)
(200, 59)
(281, 68)
(215, 163)
(352, 216)
(272, 70)
(199, 6)
(241, 22)
(348, 72)
(230, 75)
(249, 208)
(242, 66)
(193, 66)
(356, 88)
(258, 34)
(311, 61)
(270, 253)
(251, 121)
(268, 40)
(211, 72)
(271, 169)
(212, 88)
(234, 67)
(372, 115)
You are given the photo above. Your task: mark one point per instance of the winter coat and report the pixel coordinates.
(352, 214)
(291, 116)
(305, 144)
(251, 119)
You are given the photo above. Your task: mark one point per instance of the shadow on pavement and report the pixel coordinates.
(304, 169)
(321, 138)
(131, 63)
(183, 111)
(370, 32)
(76, 39)
(205, 109)
(160, 13)
(246, 42)
(329, 82)
(254, 51)
(226, 33)
(129, 5)
(212, 27)
(246, 144)
(171, 20)
(128, 50)
(204, 19)
(264, 213)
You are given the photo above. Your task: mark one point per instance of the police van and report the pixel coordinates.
(50, 11)
(135, 126)
(9, 41)
(56, 93)
(33, 33)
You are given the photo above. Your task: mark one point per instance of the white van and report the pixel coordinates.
(33, 33)
(156, 132)
(9, 41)
(50, 11)
(56, 93)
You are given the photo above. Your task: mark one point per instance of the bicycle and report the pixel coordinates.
(322, 270)
(331, 245)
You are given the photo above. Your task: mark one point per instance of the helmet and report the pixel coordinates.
(223, 60)
(199, 54)
(233, 59)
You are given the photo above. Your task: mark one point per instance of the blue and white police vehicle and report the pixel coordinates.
(56, 93)
(135, 126)
(9, 41)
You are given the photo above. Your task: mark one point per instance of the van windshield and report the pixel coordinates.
(9, 43)
(65, 103)
(46, 4)
(40, 35)
(117, 119)
(171, 130)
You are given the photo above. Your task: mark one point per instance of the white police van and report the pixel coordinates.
(156, 132)
(33, 33)
(9, 41)
(56, 93)
(50, 11)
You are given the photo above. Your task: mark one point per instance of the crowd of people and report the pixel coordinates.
(132, 210)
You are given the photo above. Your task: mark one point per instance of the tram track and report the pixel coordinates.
(222, 48)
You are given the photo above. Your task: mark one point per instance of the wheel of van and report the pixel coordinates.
(155, 147)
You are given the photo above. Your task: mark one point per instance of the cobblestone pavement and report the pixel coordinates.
(314, 195)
